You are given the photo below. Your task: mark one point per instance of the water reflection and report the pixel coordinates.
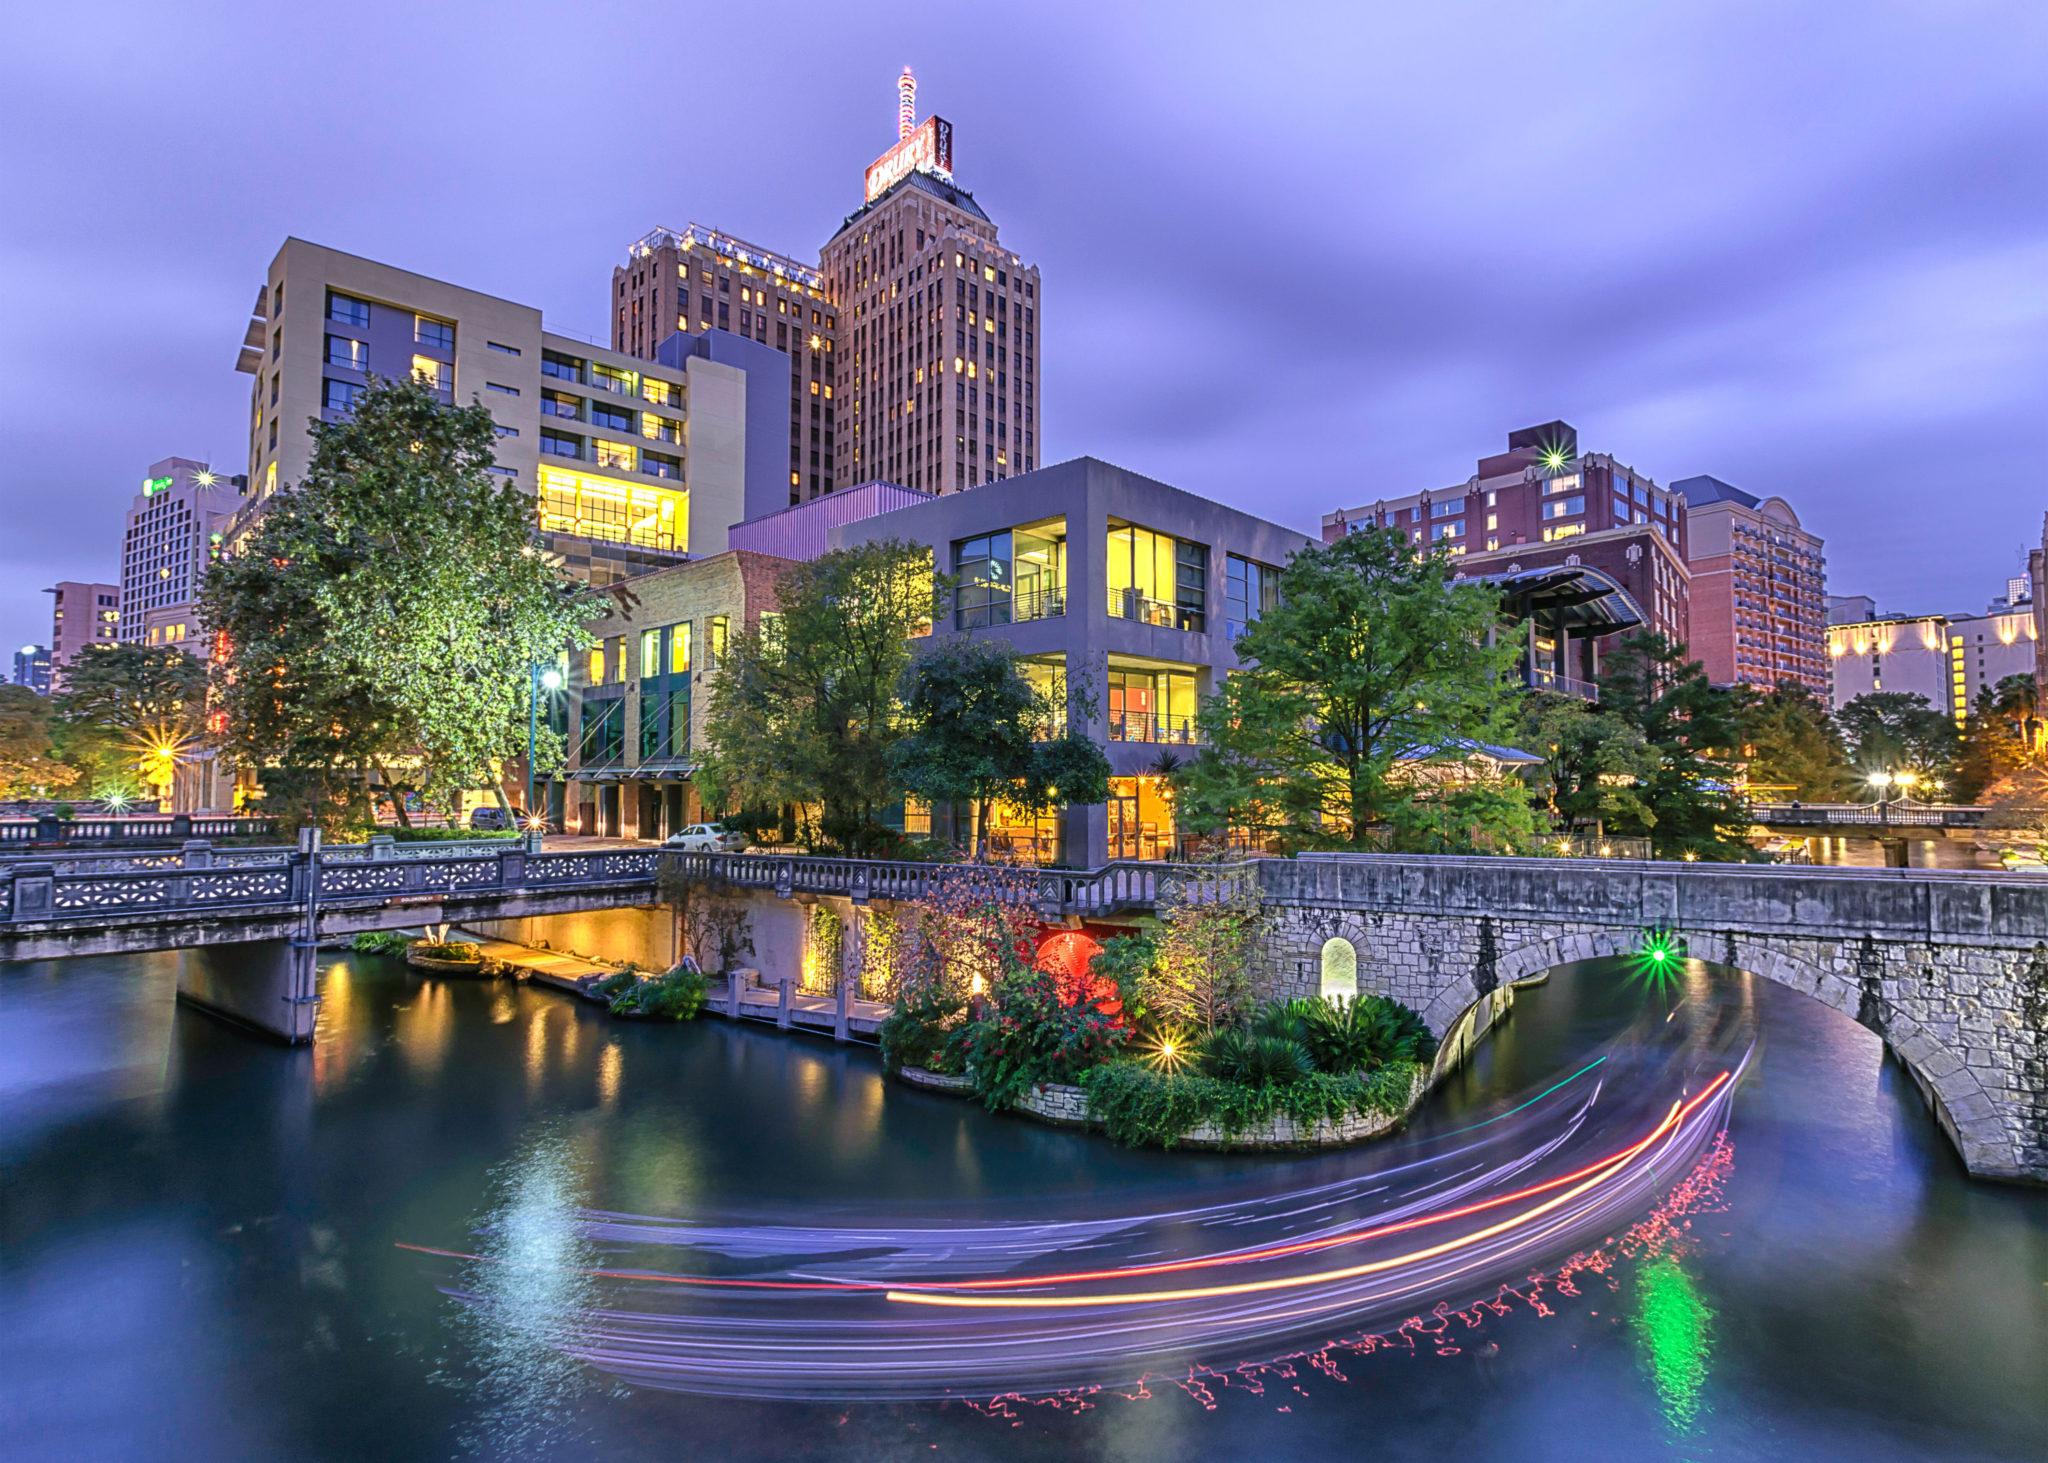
(527, 1294)
(1672, 1327)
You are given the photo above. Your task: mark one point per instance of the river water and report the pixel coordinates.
(213, 1249)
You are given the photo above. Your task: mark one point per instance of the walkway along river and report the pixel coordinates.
(393, 1245)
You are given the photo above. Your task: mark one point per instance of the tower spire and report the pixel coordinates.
(906, 104)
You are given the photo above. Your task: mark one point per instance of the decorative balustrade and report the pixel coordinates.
(21, 832)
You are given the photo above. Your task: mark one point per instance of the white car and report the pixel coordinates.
(706, 838)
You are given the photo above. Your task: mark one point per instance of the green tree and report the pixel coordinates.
(1599, 763)
(390, 605)
(1689, 805)
(1792, 746)
(28, 764)
(129, 687)
(807, 715)
(1993, 743)
(979, 733)
(1372, 675)
(1899, 731)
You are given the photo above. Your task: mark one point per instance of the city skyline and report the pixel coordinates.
(1802, 267)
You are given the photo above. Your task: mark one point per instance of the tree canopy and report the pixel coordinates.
(1899, 731)
(390, 605)
(1688, 803)
(978, 732)
(128, 687)
(1792, 745)
(1377, 670)
(807, 715)
(28, 765)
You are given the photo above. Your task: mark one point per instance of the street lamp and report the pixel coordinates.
(1881, 781)
(549, 680)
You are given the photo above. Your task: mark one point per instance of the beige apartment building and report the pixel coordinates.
(632, 463)
(673, 278)
(175, 525)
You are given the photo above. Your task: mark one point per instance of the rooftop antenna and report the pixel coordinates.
(906, 104)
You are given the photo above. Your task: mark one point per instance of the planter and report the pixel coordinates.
(1067, 1106)
(438, 966)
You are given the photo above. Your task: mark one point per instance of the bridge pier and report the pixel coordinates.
(267, 987)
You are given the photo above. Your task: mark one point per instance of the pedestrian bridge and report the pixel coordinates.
(1950, 968)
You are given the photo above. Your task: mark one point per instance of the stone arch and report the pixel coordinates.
(1339, 968)
(1952, 1089)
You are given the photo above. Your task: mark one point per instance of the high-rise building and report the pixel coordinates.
(1759, 589)
(633, 463)
(1984, 649)
(32, 668)
(82, 615)
(1543, 504)
(673, 277)
(938, 325)
(175, 525)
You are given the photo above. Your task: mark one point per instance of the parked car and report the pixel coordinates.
(707, 838)
(495, 820)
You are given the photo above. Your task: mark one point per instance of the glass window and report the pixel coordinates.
(1446, 508)
(560, 445)
(721, 632)
(434, 334)
(650, 653)
(1448, 532)
(603, 414)
(339, 396)
(350, 355)
(652, 740)
(1569, 483)
(595, 666)
(613, 454)
(679, 648)
(347, 309)
(437, 374)
(604, 730)
(1148, 705)
(1156, 578)
(679, 721)
(983, 567)
(561, 367)
(1564, 507)
(1249, 590)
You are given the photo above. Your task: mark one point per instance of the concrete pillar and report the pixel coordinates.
(783, 982)
(383, 848)
(198, 853)
(266, 987)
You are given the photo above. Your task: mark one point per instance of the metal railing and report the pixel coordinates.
(1128, 604)
(1549, 680)
(1139, 726)
(1899, 814)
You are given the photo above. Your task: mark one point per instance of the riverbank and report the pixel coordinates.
(1064, 1105)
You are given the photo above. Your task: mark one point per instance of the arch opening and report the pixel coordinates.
(1339, 969)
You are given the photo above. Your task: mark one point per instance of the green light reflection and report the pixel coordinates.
(1673, 1327)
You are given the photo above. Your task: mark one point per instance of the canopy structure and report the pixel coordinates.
(1569, 609)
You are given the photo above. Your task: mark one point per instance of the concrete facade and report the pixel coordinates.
(633, 463)
(1895, 653)
(1759, 589)
(1144, 651)
(1951, 970)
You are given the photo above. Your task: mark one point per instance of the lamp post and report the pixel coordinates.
(549, 680)
(1881, 781)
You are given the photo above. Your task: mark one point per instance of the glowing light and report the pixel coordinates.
(550, 680)
(1672, 1327)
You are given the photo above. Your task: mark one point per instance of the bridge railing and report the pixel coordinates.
(1867, 815)
(21, 833)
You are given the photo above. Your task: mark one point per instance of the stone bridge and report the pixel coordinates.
(1950, 968)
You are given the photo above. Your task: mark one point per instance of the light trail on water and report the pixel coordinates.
(1426, 1224)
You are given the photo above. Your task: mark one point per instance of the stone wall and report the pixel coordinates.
(1952, 971)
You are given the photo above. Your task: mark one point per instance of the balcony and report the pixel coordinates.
(1128, 604)
(1137, 726)
(1039, 602)
(1548, 680)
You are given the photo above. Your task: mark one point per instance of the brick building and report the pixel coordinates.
(80, 615)
(1759, 589)
(1544, 504)
(633, 707)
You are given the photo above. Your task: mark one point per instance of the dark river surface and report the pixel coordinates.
(201, 1243)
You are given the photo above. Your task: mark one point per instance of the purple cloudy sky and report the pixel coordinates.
(1295, 258)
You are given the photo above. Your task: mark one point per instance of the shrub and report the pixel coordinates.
(448, 950)
(1132, 962)
(918, 1033)
(1345, 1035)
(1033, 1036)
(615, 985)
(380, 942)
(676, 996)
(1256, 1059)
(1138, 1104)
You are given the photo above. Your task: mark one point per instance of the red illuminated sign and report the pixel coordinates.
(927, 150)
